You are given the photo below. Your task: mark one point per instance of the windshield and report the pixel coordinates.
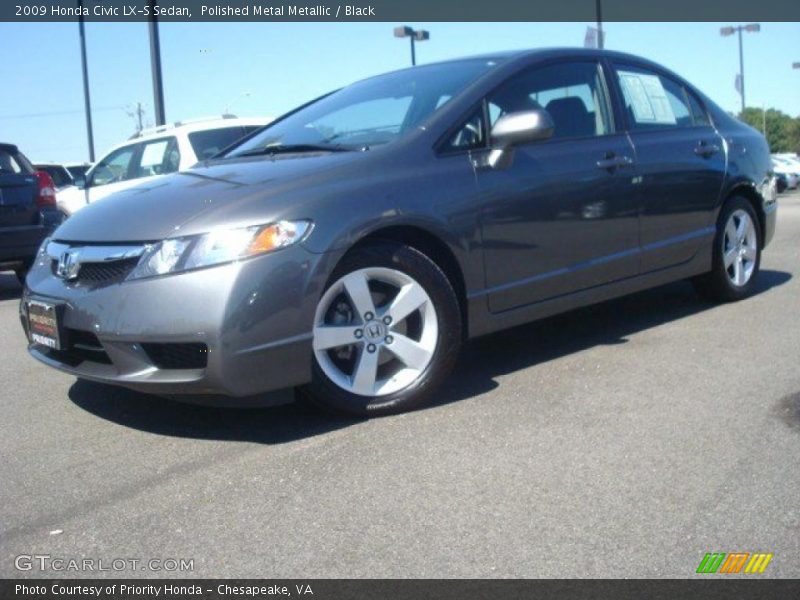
(368, 113)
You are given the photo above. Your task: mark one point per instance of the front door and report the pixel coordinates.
(563, 216)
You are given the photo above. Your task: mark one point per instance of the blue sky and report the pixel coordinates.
(211, 66)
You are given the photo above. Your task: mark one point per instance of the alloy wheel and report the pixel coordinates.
(375, 331)
(739, 247)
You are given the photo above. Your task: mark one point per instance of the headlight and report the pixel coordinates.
(217, 247)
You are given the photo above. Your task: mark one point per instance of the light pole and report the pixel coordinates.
(86, 100)
(155, 67)
(600, 43)
(415, 35)
(726, 31)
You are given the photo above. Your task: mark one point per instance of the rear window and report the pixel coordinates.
(10, 163)
(210, 142)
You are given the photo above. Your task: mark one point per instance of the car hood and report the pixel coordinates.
(227, 193)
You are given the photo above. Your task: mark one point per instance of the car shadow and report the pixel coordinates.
(481, 362)
(10, 288)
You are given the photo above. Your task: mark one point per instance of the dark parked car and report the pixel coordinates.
(27, 210)
(349, 247)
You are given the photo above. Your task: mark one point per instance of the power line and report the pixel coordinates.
(58, 113)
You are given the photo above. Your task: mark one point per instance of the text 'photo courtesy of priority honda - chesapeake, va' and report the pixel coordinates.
(421, 300)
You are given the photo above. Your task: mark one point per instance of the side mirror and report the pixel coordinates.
(515, 129)
(80, 182)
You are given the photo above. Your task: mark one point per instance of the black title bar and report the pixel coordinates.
(401, 10)
(407, 589)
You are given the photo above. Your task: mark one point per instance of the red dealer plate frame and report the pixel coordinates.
(43, 324)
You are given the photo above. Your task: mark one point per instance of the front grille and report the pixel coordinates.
(106, 272)
(79, 346)
(177, 356)
(94, 273)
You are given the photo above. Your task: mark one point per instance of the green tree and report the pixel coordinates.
(782, 131)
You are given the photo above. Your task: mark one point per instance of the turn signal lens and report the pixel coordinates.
(277, 236)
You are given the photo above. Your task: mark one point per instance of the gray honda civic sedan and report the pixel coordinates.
(349, 248)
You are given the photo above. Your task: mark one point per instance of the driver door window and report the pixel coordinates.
(114, 167)
(573, 93)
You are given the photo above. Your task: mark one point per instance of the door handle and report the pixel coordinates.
(614, 162)
(705, 149)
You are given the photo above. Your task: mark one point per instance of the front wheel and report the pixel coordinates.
(736, 254)
(387, 332)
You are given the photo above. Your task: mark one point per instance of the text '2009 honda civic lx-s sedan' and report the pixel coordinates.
(348, 248)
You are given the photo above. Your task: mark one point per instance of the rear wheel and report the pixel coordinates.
(387, 331)
(736, 254)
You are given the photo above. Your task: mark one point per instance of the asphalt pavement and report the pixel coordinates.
(622, 440)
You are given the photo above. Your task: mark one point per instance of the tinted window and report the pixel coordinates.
(371, 112)
(9, 163)
(210, 142)
(653, 101)
(158, 158)
(573, 93)
(114, 167)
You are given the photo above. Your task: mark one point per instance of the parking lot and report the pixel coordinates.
(622, 440)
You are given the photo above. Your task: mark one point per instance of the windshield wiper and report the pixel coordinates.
(293, 148)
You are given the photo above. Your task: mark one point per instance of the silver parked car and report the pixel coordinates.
(349, 247)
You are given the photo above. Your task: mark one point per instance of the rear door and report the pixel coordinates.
(680, 158)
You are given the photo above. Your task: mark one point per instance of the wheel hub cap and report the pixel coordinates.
(375, 331)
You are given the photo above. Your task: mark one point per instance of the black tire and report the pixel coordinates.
(716, 285)
(324, 393)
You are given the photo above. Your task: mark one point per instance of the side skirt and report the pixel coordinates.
(482, 322)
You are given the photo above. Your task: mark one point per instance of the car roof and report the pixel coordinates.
(207, 124)
(186, 127)
(8, 147)
(547, 52)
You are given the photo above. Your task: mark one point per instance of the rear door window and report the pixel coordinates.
(652, 100)
(158, 157)
(212, 141)
(9, 163)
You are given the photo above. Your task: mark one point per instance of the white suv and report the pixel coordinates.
(163, 150)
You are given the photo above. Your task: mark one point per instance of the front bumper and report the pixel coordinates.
(254, 317)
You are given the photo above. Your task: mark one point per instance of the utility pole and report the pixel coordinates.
(137, 115)
(155, 66)
(86, 100)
